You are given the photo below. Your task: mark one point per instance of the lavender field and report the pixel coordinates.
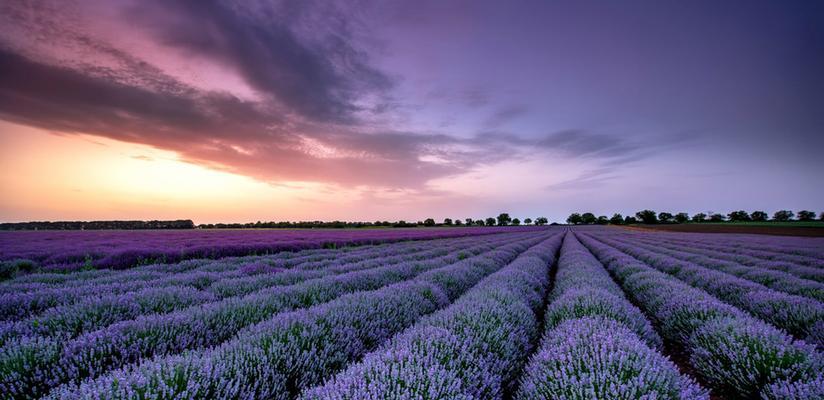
(64, 251)
(482, 313)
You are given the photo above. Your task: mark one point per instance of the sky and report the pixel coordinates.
(223, 111)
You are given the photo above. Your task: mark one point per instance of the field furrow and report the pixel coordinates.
(473, 349)
(800, 316)
(776, 280)
(740, 357)
(275, 359)
(596, 344)
(200, 326)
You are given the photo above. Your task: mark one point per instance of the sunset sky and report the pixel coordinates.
(363, 110)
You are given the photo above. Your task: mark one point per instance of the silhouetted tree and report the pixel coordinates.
(588, 218)
(647, 216)
(716, 217)
(527, 221)
(458, 221)
(821, 217)
(665, 217)
(504, 219)
(516, 221)
(490, 221)
(758, 216)
(617, 219)
(469, 222)
(602, 220)
(429, 222)
(447, 221)
(700, 217)
(480, 222)
(682, 217)
(630, 220)
(806, 215)
(574, 219)
(783, 215)
(543, 220)
(738, 216)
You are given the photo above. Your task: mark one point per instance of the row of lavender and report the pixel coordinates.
(457, 319)
(21, 251)
(738, 352)
(91, 336)
(596, 343)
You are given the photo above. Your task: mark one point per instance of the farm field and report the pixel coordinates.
(472, 313)
(73, 250)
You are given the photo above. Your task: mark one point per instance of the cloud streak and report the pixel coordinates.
(310, 119)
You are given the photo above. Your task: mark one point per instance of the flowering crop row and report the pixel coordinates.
(775, 248)
(94, 312)
(596, 344)
(277, 358)
(473, 349)
(800, 316)
(767, 261)
(71, 250)
(739, 356)
(93, 353)
(776, 280)
(225, 277)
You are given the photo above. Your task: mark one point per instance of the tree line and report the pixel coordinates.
(502, 219)
(97, 225)
(651, 217)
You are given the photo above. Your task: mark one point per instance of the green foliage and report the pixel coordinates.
(647, 216)
(783, 215)
(758, 216)
(574, 219)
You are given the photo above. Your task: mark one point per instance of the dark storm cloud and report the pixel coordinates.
(318, 77)
(211, 128)
(318, 92)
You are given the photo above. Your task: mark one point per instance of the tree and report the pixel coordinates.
(821, 217)
(806, 215)
(588, 218)
(682, 217)
(665, 217)
(504, 219)
(716, 217)
(516, 221)
(617, 219)
(783, 215)
(630, 220)
(574, 219)
(490, 221)
(739, 216)
(458, 222)
(429, 222)
(480, 222)
(543, 220)
(647, 216)
(527, 221)
(447, 221)
(469, 221)
(602, 220)
(700, 217)
(758, 216)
